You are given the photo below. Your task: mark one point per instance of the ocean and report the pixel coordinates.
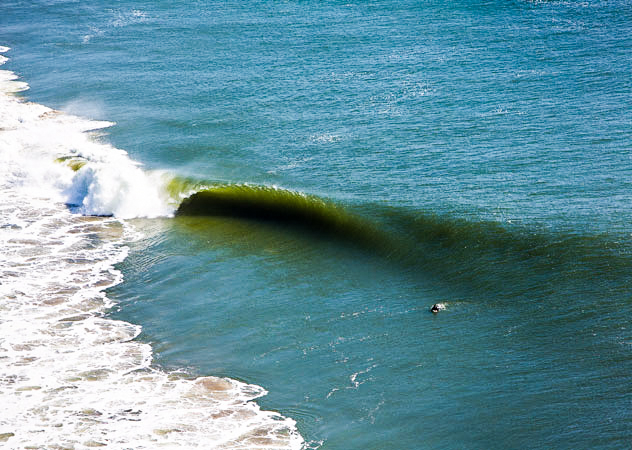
(223, 224)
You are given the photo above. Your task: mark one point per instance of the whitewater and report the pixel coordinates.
(70, 377)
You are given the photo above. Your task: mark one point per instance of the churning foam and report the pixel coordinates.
(36, 140)
(70, 377)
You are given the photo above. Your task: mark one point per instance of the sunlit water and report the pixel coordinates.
(475, 156)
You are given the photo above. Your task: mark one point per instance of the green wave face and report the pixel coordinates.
(480, 256)
(279, 206)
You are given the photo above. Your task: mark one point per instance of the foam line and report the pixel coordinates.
(69, 376)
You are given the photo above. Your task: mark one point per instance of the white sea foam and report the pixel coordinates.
(69, 376)
(35, 139)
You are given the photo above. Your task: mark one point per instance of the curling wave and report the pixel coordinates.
(283, 207)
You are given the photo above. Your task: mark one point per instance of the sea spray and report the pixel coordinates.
(106, 182)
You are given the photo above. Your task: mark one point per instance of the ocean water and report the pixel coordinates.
(224, 223)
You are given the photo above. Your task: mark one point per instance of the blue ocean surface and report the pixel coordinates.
(335, 168)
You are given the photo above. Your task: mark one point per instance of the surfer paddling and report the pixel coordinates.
(435, 309)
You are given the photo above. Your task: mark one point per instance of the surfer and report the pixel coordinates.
(435, 308)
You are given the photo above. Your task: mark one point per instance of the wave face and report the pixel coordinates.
(282, 207)
(485, 257)
(69, 376)
(444, 246)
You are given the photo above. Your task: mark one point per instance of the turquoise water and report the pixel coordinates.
(481, 151)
